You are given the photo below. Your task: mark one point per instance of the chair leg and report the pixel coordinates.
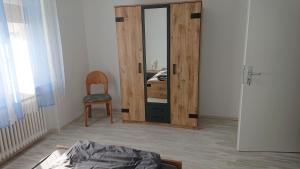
(107, 109)
(86, 116)
(90, 111)
(110, 112)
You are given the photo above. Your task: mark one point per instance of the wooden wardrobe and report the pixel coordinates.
(184, 58)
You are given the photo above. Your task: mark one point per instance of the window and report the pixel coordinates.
(19, 47)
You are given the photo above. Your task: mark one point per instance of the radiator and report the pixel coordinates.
(23, 133)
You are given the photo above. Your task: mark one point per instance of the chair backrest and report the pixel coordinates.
(96, 77)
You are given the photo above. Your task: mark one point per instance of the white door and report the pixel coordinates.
(270, 103)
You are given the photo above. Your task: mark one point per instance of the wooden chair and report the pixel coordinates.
(94, 78)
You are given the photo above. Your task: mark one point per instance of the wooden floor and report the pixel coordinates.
(212, 147)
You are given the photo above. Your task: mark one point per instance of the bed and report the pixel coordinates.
(56, 159)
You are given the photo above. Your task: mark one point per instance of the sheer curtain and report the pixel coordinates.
(10, 99)
(31, 65)
(54, 46)
(38, 51)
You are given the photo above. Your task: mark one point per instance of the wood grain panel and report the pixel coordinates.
(185, 54)
(157, 89)
(130, 51)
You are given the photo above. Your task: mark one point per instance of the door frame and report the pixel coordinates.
(244, 71)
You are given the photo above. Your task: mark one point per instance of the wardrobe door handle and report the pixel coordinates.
(140, 67)
(174, 69)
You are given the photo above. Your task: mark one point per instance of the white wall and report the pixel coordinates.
(101, 42)
(221, 54)
(70, 15)
(223, 33)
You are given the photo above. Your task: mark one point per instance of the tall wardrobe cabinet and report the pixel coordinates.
(184, 27)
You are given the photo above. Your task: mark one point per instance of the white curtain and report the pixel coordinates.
(49, 10)
(52, 29)
(31, 62)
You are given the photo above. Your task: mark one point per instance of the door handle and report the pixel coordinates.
(140, 67)
(251, 75)
(174, 69)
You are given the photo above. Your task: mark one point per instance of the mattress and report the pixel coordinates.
(90, 155)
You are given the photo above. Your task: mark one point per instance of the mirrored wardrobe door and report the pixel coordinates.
(156, 62)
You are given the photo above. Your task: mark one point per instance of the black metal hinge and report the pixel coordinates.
(125, 110)
(119, 19)
(193, 116)
(195, 15)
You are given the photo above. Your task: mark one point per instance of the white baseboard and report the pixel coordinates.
(219, 116)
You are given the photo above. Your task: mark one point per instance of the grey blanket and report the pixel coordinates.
(90, 155)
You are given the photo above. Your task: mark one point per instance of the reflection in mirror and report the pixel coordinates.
(156, 46)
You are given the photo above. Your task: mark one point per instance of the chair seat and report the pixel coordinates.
(96, 98)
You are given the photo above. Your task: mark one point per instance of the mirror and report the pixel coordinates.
(156, 54)
(156, 58)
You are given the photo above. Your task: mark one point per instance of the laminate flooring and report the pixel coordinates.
(211, 147)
